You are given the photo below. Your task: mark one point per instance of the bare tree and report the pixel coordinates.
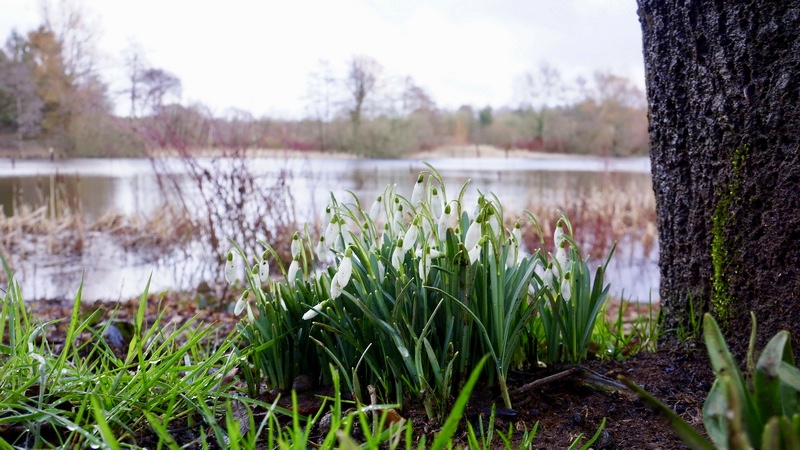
(541, 88)
(361, 83)
(76, 31)
(156, 86)
(320, 93)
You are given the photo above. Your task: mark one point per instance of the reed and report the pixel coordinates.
(606, 214)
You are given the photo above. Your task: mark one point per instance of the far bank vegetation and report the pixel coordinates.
(52, 96)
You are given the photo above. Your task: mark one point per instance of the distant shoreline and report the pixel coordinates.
(461, 151)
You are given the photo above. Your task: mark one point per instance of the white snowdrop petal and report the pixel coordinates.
(230, 268)
(419, 189)
(296, 245)
(473, 234)
(294, 268)
(263, 271)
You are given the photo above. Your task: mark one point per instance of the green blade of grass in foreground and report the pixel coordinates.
(443, 439)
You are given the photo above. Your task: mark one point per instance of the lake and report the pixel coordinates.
(128, 186)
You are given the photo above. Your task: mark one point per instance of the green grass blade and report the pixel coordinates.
(451, 424)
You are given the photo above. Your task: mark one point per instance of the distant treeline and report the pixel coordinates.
(52, 96)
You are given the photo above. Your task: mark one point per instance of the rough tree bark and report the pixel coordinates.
(723, 85)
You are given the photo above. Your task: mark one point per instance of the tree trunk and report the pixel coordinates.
(723, 84)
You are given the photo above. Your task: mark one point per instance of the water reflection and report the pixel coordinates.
(129, 187)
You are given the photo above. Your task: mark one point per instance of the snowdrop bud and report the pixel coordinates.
(347, 235)
(294, 267)
(473, 234)
(241, 303)
(336, 288)
(345, 268)
(419, 189)
(424, 268)
(326, 217)
(442, 225)
(566, 291)
(322, 248)
(436, 204)
(296, 245)
(475, 253)
(313, 312)
(375, 210)
(332, 231)
(547, 279)
(561, 257)
(263, 268)
(381, 271)
(398, 255)
(398, 219)
(558, 235)
(517, 233)
(411, 237)
(230, 268)
(433, 253)
(513, 250)
(538, 269)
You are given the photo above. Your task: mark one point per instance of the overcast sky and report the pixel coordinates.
(256, 55)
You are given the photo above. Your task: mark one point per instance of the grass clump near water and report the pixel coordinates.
(169, 386)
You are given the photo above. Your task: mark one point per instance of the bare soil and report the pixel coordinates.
(573, 404)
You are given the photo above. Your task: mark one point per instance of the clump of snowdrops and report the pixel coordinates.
(409, 294)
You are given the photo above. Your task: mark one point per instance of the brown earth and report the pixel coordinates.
(572, 404)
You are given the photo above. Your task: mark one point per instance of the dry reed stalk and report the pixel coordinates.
(604, 215)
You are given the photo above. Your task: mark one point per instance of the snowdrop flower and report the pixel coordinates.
(558, 235)
(513, 251)
(425, 260)
(322, 248)
(516, 233)
(432, 253)
(419, 189)
(547, 279)
(436, 203)
(315, 310)
(332, 232)
(294, 268)
(411, 236)
(343, 275)
(347, 235)
(296, 245)
(398, 219)
(398, 255)
(241, 303)
(230, 268)
(566, 291)
(473, 233)
(538, 269)
(263, 268)
(561, 257)
(328, 215)
(449, 219)
(381, 271)
(475, 253)
(375, 209)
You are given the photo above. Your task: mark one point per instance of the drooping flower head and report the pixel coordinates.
(297, 246)
(419, 190)
(230, 267)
